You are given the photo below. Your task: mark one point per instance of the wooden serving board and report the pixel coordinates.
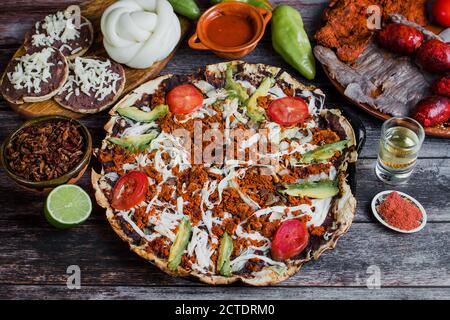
(93, 11)
(442, 131)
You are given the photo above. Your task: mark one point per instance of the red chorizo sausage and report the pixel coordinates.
(441, 86)
(434, 56)
(432, 111)
(400, 38)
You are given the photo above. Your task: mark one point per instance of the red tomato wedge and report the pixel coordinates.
(184, 99)
(129, 190)
(441, 12)
(289, 240)
(288, 111)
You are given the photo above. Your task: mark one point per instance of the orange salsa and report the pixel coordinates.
(230, 30)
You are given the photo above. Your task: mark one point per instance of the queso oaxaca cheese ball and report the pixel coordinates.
(139, 33)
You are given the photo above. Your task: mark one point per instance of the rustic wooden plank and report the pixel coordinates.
(432, 173)
(35, 5)
(35, 256)
(429, 184)
(432, 147)
(5, 57)
(188, 60)
(38, 254)
(15, 23)
(222, 293)
(134, 77)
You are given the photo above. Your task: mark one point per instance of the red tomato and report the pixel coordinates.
(441, 12)
(130, 190)
(184, 99)
(289, 240)
(288, 111)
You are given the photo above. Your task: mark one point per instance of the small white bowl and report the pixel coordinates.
(380, 197)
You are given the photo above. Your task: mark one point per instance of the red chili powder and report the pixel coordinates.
(399, 212)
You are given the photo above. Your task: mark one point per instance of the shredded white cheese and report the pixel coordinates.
(239, 262)
(56, 27)
(91, 77)
(200, 246)
(31, 70)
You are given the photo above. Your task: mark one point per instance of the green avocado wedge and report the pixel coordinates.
(136, 114)
(323, 153)
(134, 143)
(180, 244)
(234, 89)
(254, 112)
(317, 190)
(225, 250)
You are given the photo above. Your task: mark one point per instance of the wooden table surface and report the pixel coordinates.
(34, 256)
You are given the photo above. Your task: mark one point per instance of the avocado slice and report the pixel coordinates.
(323, 153)
(136, 114)
(253, 111)
(318, 190)
(180, 244)
(134, 143)
(225, 250)
(235, 90)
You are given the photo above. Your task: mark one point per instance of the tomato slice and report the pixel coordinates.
(441, 12)
(184, 99)
(288, 111)
(129, 190)
(289, 240)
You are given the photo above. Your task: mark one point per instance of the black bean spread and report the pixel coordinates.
(35, 74)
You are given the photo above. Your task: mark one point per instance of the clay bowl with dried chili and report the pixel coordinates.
(46, 152)
(399, 211)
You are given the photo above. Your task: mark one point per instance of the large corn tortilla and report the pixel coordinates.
(343, 206)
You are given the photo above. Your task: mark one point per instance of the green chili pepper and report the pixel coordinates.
(290, 40)
(187, 8)
(265, 4)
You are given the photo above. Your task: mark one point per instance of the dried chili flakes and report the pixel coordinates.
(46, 150)
(399, 212)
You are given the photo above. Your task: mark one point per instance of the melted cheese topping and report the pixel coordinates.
(31, 70)
(57, 27)
(204, 243)
(91, 76)
(201, 249)
(239, 262)
(179, 156)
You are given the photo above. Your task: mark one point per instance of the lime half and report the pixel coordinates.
(67, 206)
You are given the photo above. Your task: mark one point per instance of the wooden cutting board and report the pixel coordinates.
(441, 131)
(93, 10)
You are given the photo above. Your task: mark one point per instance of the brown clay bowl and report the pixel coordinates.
(258, 17)
(45, 186)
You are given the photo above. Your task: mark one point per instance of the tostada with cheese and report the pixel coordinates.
(37, 75)
(236, 172)
(93, 85)
(66, 31)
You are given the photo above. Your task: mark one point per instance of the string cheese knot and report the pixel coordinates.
(139, 33)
